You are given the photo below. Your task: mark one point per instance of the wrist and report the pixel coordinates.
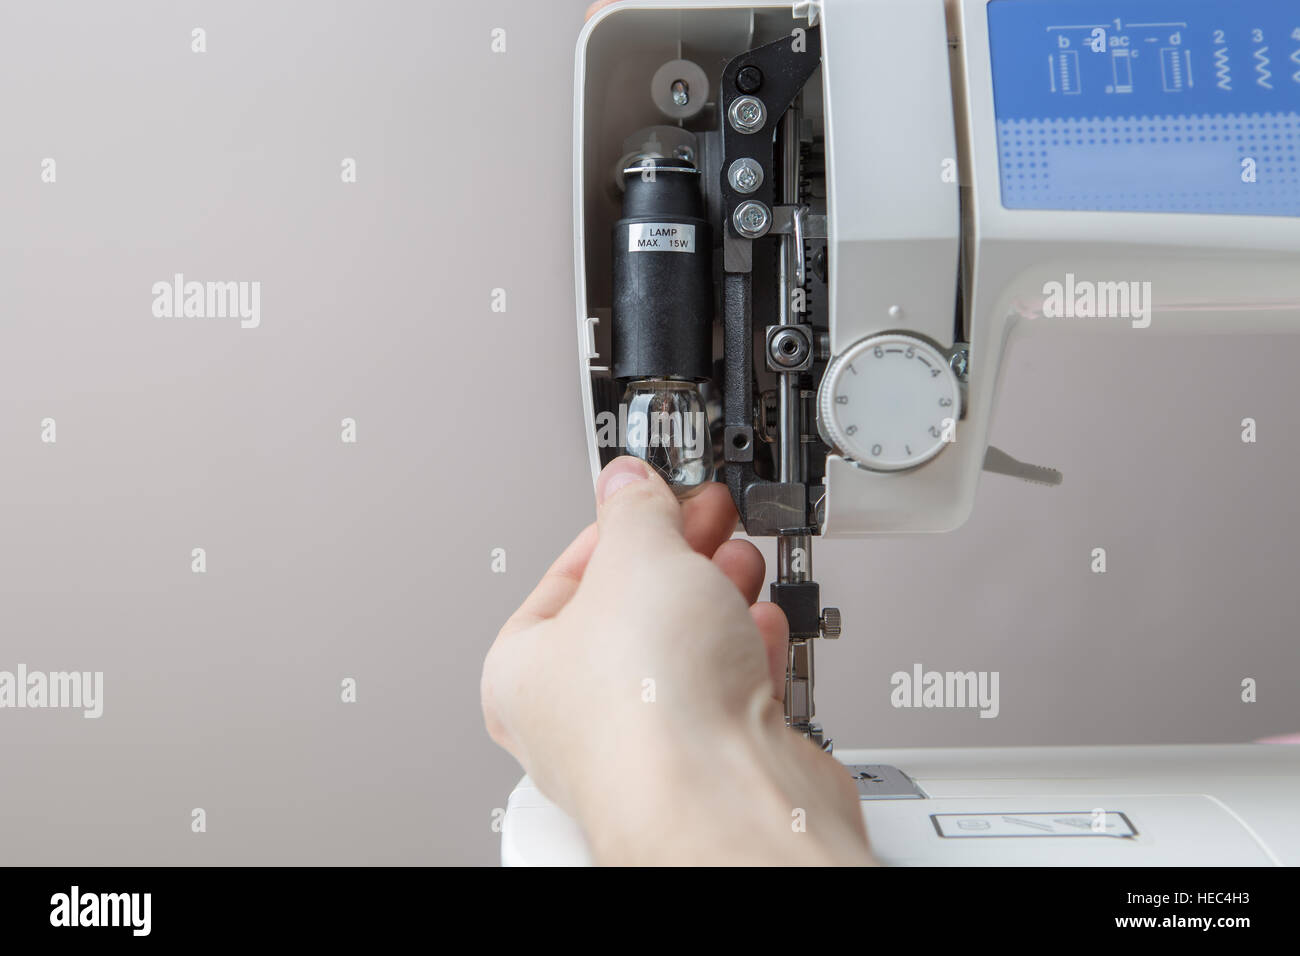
(743, 791)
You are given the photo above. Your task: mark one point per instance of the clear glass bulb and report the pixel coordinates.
(668, 428)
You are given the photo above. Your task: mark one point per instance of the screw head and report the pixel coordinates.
(749, 79)
(960, 362)
(747, 114)
(685, 154)
(745, 175)
(788, 348)
(681, 92)
(831, 623)
(752, 219)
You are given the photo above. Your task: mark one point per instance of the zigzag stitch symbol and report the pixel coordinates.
(1222, 70)
(1261, 68)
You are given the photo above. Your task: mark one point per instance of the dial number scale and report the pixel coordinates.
(890, 402)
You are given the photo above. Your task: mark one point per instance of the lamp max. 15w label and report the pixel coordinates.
(660, 237)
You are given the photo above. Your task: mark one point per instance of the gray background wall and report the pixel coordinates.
(372, 560)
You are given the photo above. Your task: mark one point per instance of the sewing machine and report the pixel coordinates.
(803, 236)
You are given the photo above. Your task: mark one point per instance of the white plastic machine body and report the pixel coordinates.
(1223, 805)
(898, 98)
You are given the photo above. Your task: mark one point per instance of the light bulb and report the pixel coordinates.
(667, 427)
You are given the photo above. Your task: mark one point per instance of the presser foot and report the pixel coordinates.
(812, 732)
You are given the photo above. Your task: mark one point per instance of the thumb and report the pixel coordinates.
(637, 513)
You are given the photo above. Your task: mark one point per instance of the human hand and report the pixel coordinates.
(639, 687)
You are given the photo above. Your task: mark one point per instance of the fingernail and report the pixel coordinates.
(619, 472)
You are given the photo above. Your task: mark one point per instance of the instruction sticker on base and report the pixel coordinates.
(1080, 823)
(660, 237)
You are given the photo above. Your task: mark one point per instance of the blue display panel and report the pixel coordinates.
(1148, 105)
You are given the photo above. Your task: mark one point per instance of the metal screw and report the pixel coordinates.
(788, 348)
(747, 114)
(752, 219)
(745, 175)
(831, 623)
(681, 92)
(960, 362)
(685, 154)
(749, 79)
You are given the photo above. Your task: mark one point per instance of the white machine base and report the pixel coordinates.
(1217, 805)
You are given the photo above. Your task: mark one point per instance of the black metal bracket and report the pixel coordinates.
(774, 73)
(781, 69)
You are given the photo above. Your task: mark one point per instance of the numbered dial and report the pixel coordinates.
(889, 403)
